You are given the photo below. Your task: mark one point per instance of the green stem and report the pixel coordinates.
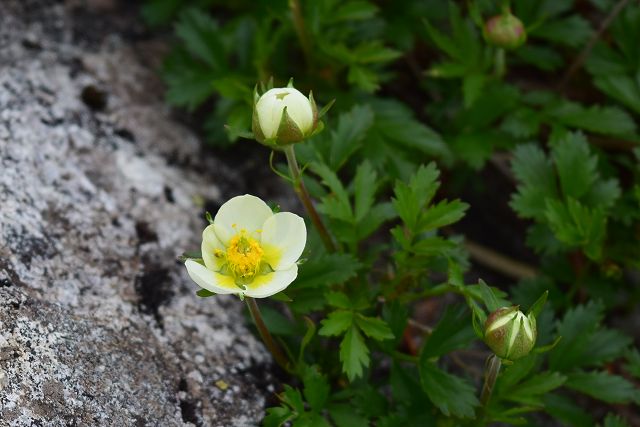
(491, 371)
(266, 336)
(298, 23)
(499, 63)
(303, 194)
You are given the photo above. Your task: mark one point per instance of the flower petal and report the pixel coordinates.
(269, 284)
(211, 280)
(211, 243)
(240, 213)
(284, 236)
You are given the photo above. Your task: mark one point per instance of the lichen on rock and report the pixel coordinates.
(99, 324)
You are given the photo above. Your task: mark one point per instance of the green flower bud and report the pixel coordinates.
(505, 31)
(509, 333)
(283, 116)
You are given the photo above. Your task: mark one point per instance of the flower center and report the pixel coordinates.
(244, 255)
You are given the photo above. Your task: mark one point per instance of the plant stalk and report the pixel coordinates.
(304, 197)
(500, 66)
(491, 371)
(301, 31)
(266, 336)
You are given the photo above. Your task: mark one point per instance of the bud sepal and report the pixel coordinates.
(284, 116)
(509, 333)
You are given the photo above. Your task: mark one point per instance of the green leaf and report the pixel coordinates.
(348, 135)
(325, 270)
(613, 420)
(566, 410)
(316, 388)
(189, 83)
(365, 183)
(452, 332)
(336, 323)
(572, 31)
(398, 126)
(338, 300)
(488, 297)
(537, 306)
(412, 198)
(451, 394)
(278, 324)
(354, 11)
(577, 168)
(203, 293)
(542, 57)
(343, 415)
(577, 225)
(597, 119)
(201, 37)
(336, 204)
(277, 416)
(622, 88)
(442, 214)
(633, 362)
(603, 386)
(374, 327)
(537, 181)
(531, 391)
(354, 354)
(584, 342)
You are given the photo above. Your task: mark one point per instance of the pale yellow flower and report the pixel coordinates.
(249, 250)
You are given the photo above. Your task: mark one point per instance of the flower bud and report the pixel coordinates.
(505, 31)
(509, 333)
(283, 116)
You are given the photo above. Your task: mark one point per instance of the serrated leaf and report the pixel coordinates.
(411, 198)
(316, 388)
(398, 126)
(348, 135)
(365, 186)
(451, 394)
(453, 331)
(374, 327)
(577, 168)
(597, 119)
(354, 354)
(566, 410)
(201, 37)
(442, 214)
(338, 300)
(336, 204)
(336, 323)
(531, 391)
(536, 181)
(603, 386)
(572, 31)
(325, 270)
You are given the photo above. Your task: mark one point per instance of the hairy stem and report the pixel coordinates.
(303, 194)
(266, 336)
(491, 371)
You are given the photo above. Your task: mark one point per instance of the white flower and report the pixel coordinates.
(283, 116)
(249, 250)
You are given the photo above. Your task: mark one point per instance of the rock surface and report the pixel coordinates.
(100, 190)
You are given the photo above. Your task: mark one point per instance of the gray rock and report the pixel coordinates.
(100, 190)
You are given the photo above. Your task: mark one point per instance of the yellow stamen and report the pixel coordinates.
(244, 255)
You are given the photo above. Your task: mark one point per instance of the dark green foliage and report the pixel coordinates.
(427, 113)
